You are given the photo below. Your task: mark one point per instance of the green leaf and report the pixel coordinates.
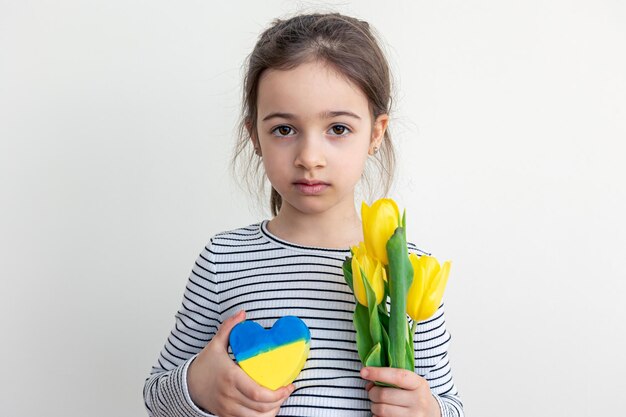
(386, 284)
(386, 348)
(362, 326)
(400, 278)
(383, 315)
(373, 357)
(410, 355)
(375, 330)
(347, 272)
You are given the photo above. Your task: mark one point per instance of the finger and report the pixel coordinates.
(394, 396)
(369, 386)
(262, 406)
(240, 409)
(387, 410)
(271, 413)
(257, 393)
(401, 378)
(221, 337)
(257, 406)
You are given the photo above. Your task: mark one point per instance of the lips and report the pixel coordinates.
(310, 182)
(311, 187)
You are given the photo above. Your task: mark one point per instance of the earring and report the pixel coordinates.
(375, 150)
(257, 151)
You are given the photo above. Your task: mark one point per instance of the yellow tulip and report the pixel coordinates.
(429, 283)
(379, 222)
(374, 273)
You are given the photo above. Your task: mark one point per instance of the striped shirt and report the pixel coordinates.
(251, 269)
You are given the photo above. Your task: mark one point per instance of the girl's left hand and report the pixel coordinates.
(412, 398)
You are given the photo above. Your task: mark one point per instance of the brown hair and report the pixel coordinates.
(346, 44)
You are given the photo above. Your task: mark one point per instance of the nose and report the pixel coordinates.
(310, 154)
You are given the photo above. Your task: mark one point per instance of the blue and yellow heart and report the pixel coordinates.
(273, 357)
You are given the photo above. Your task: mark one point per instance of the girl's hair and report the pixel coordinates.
(347, 45)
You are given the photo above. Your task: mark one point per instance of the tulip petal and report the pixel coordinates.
(427, 308)
(357, 280)
(379, 223)
(431, 267)
(378, 283)
(434, 295)
(431, 271)
(416, 290)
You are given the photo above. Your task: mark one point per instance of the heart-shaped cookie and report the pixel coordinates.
(273, 357)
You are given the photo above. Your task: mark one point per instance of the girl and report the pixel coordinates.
(316, 104)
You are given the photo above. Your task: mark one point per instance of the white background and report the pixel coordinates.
(117, 122)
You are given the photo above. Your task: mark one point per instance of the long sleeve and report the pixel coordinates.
(165, 390)
(249, 268)
(432, 362)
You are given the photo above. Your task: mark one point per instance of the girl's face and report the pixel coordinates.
(315, 133)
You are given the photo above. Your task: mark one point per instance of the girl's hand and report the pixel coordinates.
(219, 386)
(412, 398)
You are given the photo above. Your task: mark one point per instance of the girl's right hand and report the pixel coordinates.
(219, 386)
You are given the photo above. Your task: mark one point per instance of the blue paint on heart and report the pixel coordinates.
(248, 339)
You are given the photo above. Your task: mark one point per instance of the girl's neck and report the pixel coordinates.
(326, 230)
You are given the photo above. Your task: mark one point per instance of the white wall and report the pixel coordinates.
(116, 124)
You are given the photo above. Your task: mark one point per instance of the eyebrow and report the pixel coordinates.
(323, 115)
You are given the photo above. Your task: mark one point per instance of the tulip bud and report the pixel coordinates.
(364, 267)
(429, 282)
(379, 222)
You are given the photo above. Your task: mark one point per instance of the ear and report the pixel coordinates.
(378, 132)
(253, 137)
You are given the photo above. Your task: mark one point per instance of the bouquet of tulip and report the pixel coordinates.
(381, 268)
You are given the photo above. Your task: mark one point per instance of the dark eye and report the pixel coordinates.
(282, 130)
(339, 130)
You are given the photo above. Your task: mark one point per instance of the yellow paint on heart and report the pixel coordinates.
(278, 367)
